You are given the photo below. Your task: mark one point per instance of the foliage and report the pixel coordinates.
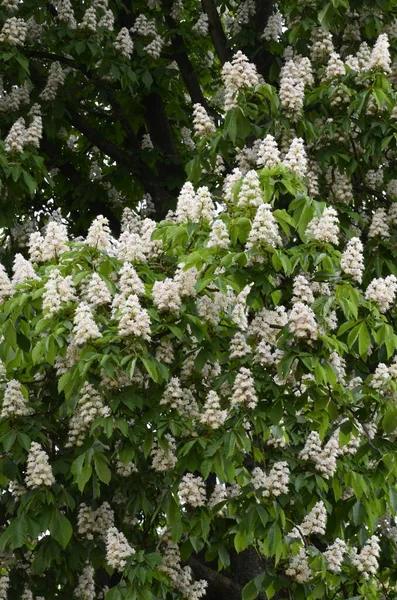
(209, 400)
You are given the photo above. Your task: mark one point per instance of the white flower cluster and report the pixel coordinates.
(379, 224)
(4, 585)
(212, 415)
(164, 459)
(301, 290)
(187, 138)
(191, 490)
(324, 228)
(335, 67)
(98, 235)
(56, 78)
(123, 43)
(250, 193)
(334, 555)
(129, 281)
(238, 75)
(298, 567)
(14, 32)
(352, 259)
(218, 237)
(201, 25)
(238, 346)
(181, 578)
(14, 403)
(314, 523)
(5, 285)
(380, 59)
(275, 483)
(85, 328)
(96, 292)
(167, 295)
(244, 392)
(324, 458)
(94, 522)
(295, 159)
(85, 589)
(292, 90)
(268, 153)
(302, 322)
(264, 231)
(38, 469)
(118, 549)
(22, 270)
(10, 5)
(202, 123)
(134, 320)
(340, 185)
(322, 45)
(17, 97)
(89, 20)
(180, 399)
(51, 246)
(274, 27)
(194, 206)
(367, 560)
(89, 407)
(57, 290)
(15, 139)
(218, 495)
(147, 143)
(382, 291)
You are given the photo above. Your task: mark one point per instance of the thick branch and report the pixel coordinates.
(184, 64)
(219, 586)
(216, 30)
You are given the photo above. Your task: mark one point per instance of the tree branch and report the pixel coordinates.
(216, 30)
(220, 587)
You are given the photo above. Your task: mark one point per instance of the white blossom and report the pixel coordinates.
(380, 59)
(85, 589)
(244, 389)
(85, 328)
(302, 322)
(118, 549)
(268, 153)
(6, 288)
(264, 231)
(123, 43)
(164, 459)
(99, 235)
(212, 414)
(366, 562)
(352, 259)
(14, 32)
(22, 270)
(38, 469)
(298, 567)
(192, 490)
(379, 224)
(238, 75)
(89, 407)
(295, 159)
(382, 292)
(134, 320)
(334, 555)
(15, 404)
(325, 228)
(202, 123)
(167, 295)
(219, 235)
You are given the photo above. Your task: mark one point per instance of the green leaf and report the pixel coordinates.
(15, 535)
(241, 541)
(101, 467)
(61, 529)
(150, 368)
(249, 591)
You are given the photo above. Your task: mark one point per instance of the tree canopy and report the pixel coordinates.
(198, 300)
